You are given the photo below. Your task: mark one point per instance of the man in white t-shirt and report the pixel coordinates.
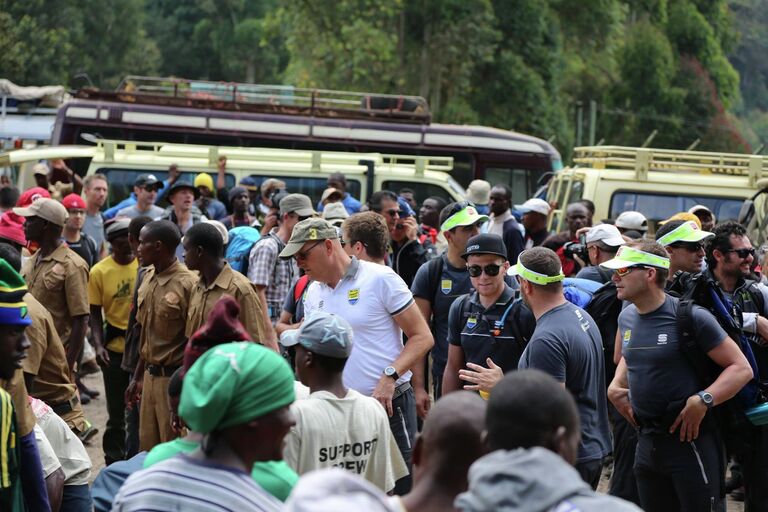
(380, 308)
(337, 426)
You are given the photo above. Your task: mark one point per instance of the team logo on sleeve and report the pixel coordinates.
(627, 336)
(471, 322)
(353, 296)
(445, 286)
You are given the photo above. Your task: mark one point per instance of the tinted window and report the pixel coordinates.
(521, 181)
(312, 187)
(121, 181)
(661, 206)
(421, 190)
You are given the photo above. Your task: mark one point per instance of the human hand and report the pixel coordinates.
(482, 379)
(222, 162)
(423, 402)
(173, 173)
(384, 391)
(133, 393)
(619, 397)
(410, 226)
(102, 356)
(689, 419)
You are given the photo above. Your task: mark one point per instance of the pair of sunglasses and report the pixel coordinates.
(621, 272)
(742, 253)
(690, 246)
(490, 270)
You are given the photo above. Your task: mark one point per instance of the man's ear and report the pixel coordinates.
(309, 359)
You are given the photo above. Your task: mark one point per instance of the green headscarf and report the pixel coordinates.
(232, 384)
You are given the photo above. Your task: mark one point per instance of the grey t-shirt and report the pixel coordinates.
(659, 373)
(567, 345)
(452, 283)
(94, 227)
(133, 211)
(593, 274)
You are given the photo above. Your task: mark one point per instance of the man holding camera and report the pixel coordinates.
(599, 245)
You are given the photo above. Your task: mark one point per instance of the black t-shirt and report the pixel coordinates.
(659, 373)
(85, 248)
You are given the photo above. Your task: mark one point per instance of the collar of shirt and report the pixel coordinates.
(59, 254)
(351, 272)
(223, 280)
(166, 275)
(504, 217)
(503, 299)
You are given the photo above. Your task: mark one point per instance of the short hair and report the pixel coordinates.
(668, 227)
(93, 177)
(329, 364)
(406, 190)
(370, 229)
(653, 247)
(722, 240)
(589, 204)
(10, 254)
(507, 190)
(526, 408)
(206, 236)
(134, 227)
(8, 197)
(166, 232)
(374, 203)
(611, 249)
(337, 176)
(441, 202)
(176, 382)
(544, 261)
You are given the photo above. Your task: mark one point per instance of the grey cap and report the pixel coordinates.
(299, 204)
(322, 333)
(118, 228)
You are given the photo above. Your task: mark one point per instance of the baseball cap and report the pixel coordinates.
(204, 180)
(30, 195)
(48, 209)
(628, 256)
(40, 168)
(479, 192)
(688, 231)
(335, 212)
(605, 233)
(309, 230)
(250, 183)
(466, 216)
(73, 201)
(322, 333)
(485, 243)
(180, 185)
(534, 205)
(682, 216)
(145, 180)
(632, 220)
(12, 228)
(518, 269)
(117, 228)
(299, 204)
(221, 227)
(330, 192)
(701, 207)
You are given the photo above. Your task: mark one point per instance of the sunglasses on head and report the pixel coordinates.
(621, 272)
(742, 253)
(490, 270)
(689, 246)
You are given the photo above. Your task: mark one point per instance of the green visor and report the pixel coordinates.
(467, 216)
(631, 257)
(686, 232)
(534, 277)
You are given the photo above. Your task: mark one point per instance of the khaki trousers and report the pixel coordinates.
(155, 413)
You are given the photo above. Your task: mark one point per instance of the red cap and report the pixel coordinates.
(30, 195)
(73, 201)
(12, 228)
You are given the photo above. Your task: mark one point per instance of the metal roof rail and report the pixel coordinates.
(421, 163)
(644, 160)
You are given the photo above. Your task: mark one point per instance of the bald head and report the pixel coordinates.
(451, 439)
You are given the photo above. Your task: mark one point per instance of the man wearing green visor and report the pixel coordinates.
(684, 243)
(567, 345)
(237, 395)
(437, 285)
(678, 455)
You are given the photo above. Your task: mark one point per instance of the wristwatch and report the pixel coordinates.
(707, 398)
(390, 371)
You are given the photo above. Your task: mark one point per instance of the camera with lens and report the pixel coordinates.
(571, 249)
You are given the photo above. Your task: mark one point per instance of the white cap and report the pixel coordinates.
(700, 207)
(632, 220)
(534, 205)
(605, 233)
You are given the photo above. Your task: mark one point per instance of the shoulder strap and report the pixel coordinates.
(435, 270)
(301, 285)
(687, 341)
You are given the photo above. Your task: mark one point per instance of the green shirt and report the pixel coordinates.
(11, 498)
(274, 476)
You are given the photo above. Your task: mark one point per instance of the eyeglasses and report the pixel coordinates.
(689, 246)
(742, 253)
(621, 272)
(302, 255)
(490, 270)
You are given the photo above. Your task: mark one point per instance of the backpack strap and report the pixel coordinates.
(434, 271)
(686, 341)
(301, 285)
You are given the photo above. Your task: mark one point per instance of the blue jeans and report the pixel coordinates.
(77, 498)
(403, 426)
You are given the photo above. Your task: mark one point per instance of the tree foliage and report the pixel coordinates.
(682, 68)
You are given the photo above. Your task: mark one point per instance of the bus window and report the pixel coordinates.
(421, 190)
(312, 187)
(521, 181)
(662, 206)
(121, 181)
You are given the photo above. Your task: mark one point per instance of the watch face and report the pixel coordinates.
(389, 371)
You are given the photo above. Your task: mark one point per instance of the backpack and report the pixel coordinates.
(604, 308)
(521, 318)
(579, 291)
(241, 241)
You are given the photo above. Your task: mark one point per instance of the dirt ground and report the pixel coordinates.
(96, 412)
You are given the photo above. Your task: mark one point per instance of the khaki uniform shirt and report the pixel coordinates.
(60, 282)
(238, 287)
(163, 304)
(46, 358)
(25, 418)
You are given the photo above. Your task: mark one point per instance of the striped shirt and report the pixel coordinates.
(184, 483)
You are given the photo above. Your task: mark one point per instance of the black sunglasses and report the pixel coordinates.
(689, 246)
(742, 253)
(490, 270)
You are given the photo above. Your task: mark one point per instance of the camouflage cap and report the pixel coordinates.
(308, 230)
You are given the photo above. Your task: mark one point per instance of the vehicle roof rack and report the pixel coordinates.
(276, 99)
(643, 160)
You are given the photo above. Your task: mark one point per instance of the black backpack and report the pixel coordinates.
(604, 308)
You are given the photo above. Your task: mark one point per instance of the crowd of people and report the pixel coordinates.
(261, 352)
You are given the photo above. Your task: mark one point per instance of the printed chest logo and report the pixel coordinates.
(446, 285)
(353, 296)
(627, 336)
(471, 322)
(662, 339)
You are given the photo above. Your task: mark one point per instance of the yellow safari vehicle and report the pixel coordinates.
(659, 183)
(303, 171)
